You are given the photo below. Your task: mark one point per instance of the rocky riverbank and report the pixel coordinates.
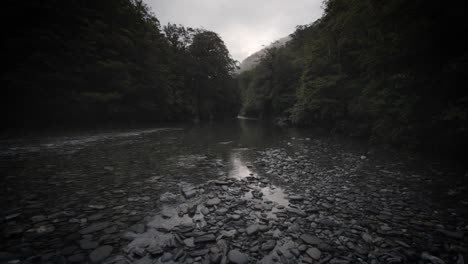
(153, 200)
(330, 215)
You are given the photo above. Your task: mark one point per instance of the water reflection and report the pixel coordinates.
(238, 167)
(275, 194)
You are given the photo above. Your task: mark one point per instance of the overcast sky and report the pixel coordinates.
(244, 25)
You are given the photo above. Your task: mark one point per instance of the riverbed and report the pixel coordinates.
(238, 191)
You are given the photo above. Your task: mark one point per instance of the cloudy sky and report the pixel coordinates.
(244, 25)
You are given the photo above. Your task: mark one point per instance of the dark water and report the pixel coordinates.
(121, 174)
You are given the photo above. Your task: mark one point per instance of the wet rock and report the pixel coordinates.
(205, 238)
(12, 216)
(221, 211)
(311, 240)
(252, 229)
(268, 245)
(100, 253)
(366, 237)
(235, 256)
(189, 242)
(296, 197)
(295, 211)
(189, 192)
(167, 256)
(38, 218)
(45, 229)
(94, 228)
(168, 197)
(314, 253)
(213, 201)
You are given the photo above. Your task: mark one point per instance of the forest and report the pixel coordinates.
(389, 71)
(85, 62)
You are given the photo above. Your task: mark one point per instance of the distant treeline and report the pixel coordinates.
(392, 71)
(83, 61)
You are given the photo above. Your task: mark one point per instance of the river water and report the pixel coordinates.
(53, 187)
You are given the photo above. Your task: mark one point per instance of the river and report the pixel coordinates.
(112, 195)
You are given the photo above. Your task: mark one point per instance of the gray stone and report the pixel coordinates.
(94, 228)
(213, 201)
(205, 238)
(269, 245)
(311, 240)
(252, 229)
(100, 253)
(235, 256)
(296, 211)
(314, 253)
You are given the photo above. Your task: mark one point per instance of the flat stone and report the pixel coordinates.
(12, 216)
(94, 228)
(189, 193)
(189, 242)
(296, 197)
(311, 240)
(213, 201)
(38, 218)
(252, 229)
(235, 256)
(100, 253)
(205, 238)
(314, 253)
(166, 257)
(269, 245)
(221, 211)
(296, 211)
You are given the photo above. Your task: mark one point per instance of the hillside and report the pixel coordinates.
(252, 60)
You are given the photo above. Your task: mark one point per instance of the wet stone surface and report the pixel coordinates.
(178, 196)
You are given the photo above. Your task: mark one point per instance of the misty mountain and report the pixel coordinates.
(252, 60)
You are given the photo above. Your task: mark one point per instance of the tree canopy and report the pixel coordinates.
(392, 71)
(110, 61)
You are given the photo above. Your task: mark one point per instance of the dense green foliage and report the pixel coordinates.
(393, 71)
(110, 60)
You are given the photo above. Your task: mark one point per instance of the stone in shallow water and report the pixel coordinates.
(38, 218)
(252, 229)
(213, 201)
(296, 197)
(189, 192)
(99, 254)
(221, 211)
(205, 238)
(314, 253)
(166, 257)
(235, 256)
(269, 245)
(312, 240)
(94, 228)
(296, 211)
